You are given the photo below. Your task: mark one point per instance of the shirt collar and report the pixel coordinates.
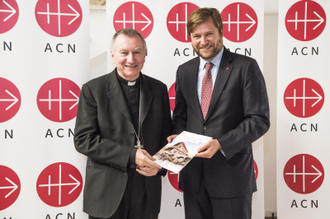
(127, 83)
(216, 60)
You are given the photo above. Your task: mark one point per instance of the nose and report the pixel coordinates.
(130, 57)
(203, 40)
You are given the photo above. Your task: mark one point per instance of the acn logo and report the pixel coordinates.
(304, 97)
(303, 174)
(134, 15)
(177, 18)
(305, 20)
(59, 184)
(58, 18)
(58, 99)
(8, 15)
(240, 22)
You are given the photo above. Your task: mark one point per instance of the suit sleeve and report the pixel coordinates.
(167, 125)
(88, 139)
(180, 111)
(255, 112)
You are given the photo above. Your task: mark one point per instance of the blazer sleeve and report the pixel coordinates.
(167, 127)
(88, 139)
(180, 111)
(255, 104)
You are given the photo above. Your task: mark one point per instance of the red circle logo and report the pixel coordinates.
(58, 99)
(8, 15)
(10, 100)
(256, 172)
(305, 20)
(177, 19)
(171, 95)
(303, 174)
(174, 180)
(58, 18)
(134, 15)
(10, 187)
(59, 184)
(304, 97)
(240, 22)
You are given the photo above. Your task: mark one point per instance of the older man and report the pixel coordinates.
(122, 118)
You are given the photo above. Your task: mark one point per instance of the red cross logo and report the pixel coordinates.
(58, 18)
(240, 22)
(305, 20)
(134, 15)
(8, 15)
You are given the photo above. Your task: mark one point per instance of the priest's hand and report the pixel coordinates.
(145, 163)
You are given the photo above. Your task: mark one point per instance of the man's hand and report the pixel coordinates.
(145, 163)
(170, 138)
(208, 149)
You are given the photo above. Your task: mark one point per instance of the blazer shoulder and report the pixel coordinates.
(188, 67)
(153, 82)
(235, 57)
(98, 81)
(190, 62)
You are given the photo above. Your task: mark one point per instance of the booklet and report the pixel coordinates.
(177, 154)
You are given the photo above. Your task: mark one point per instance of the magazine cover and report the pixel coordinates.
(175, 155)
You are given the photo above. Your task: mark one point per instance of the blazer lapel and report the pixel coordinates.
(116, 95)
(192, 87)
(222, 77)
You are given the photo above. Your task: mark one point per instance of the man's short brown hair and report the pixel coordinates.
(203, 14)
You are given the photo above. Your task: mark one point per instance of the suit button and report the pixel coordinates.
(125, 174)
(204, 127)
(132, 134)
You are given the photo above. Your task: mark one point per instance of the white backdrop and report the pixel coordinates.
(41, 72)
(303, 109)
(163, 26)
(43, 65)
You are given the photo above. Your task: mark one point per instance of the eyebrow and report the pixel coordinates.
(137, 48)
(194, 34)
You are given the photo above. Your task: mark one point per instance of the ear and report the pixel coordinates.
(112, 57)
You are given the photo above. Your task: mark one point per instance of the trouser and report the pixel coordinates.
(204, 206)
(134, 204)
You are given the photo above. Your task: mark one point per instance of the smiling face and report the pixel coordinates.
(206, 40)
(128, 55)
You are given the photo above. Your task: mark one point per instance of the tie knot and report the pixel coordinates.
(208, 66)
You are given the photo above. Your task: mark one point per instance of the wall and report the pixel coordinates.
(98, 66)
(270, 73)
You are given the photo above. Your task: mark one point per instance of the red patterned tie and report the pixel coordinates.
(206, 89)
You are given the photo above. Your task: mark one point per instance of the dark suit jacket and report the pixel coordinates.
(238, 115)
(104, 132)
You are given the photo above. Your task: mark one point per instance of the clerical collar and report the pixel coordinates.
(129, 83)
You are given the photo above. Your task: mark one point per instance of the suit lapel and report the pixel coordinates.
(116, 95)
(222, 77)
(192, 86)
